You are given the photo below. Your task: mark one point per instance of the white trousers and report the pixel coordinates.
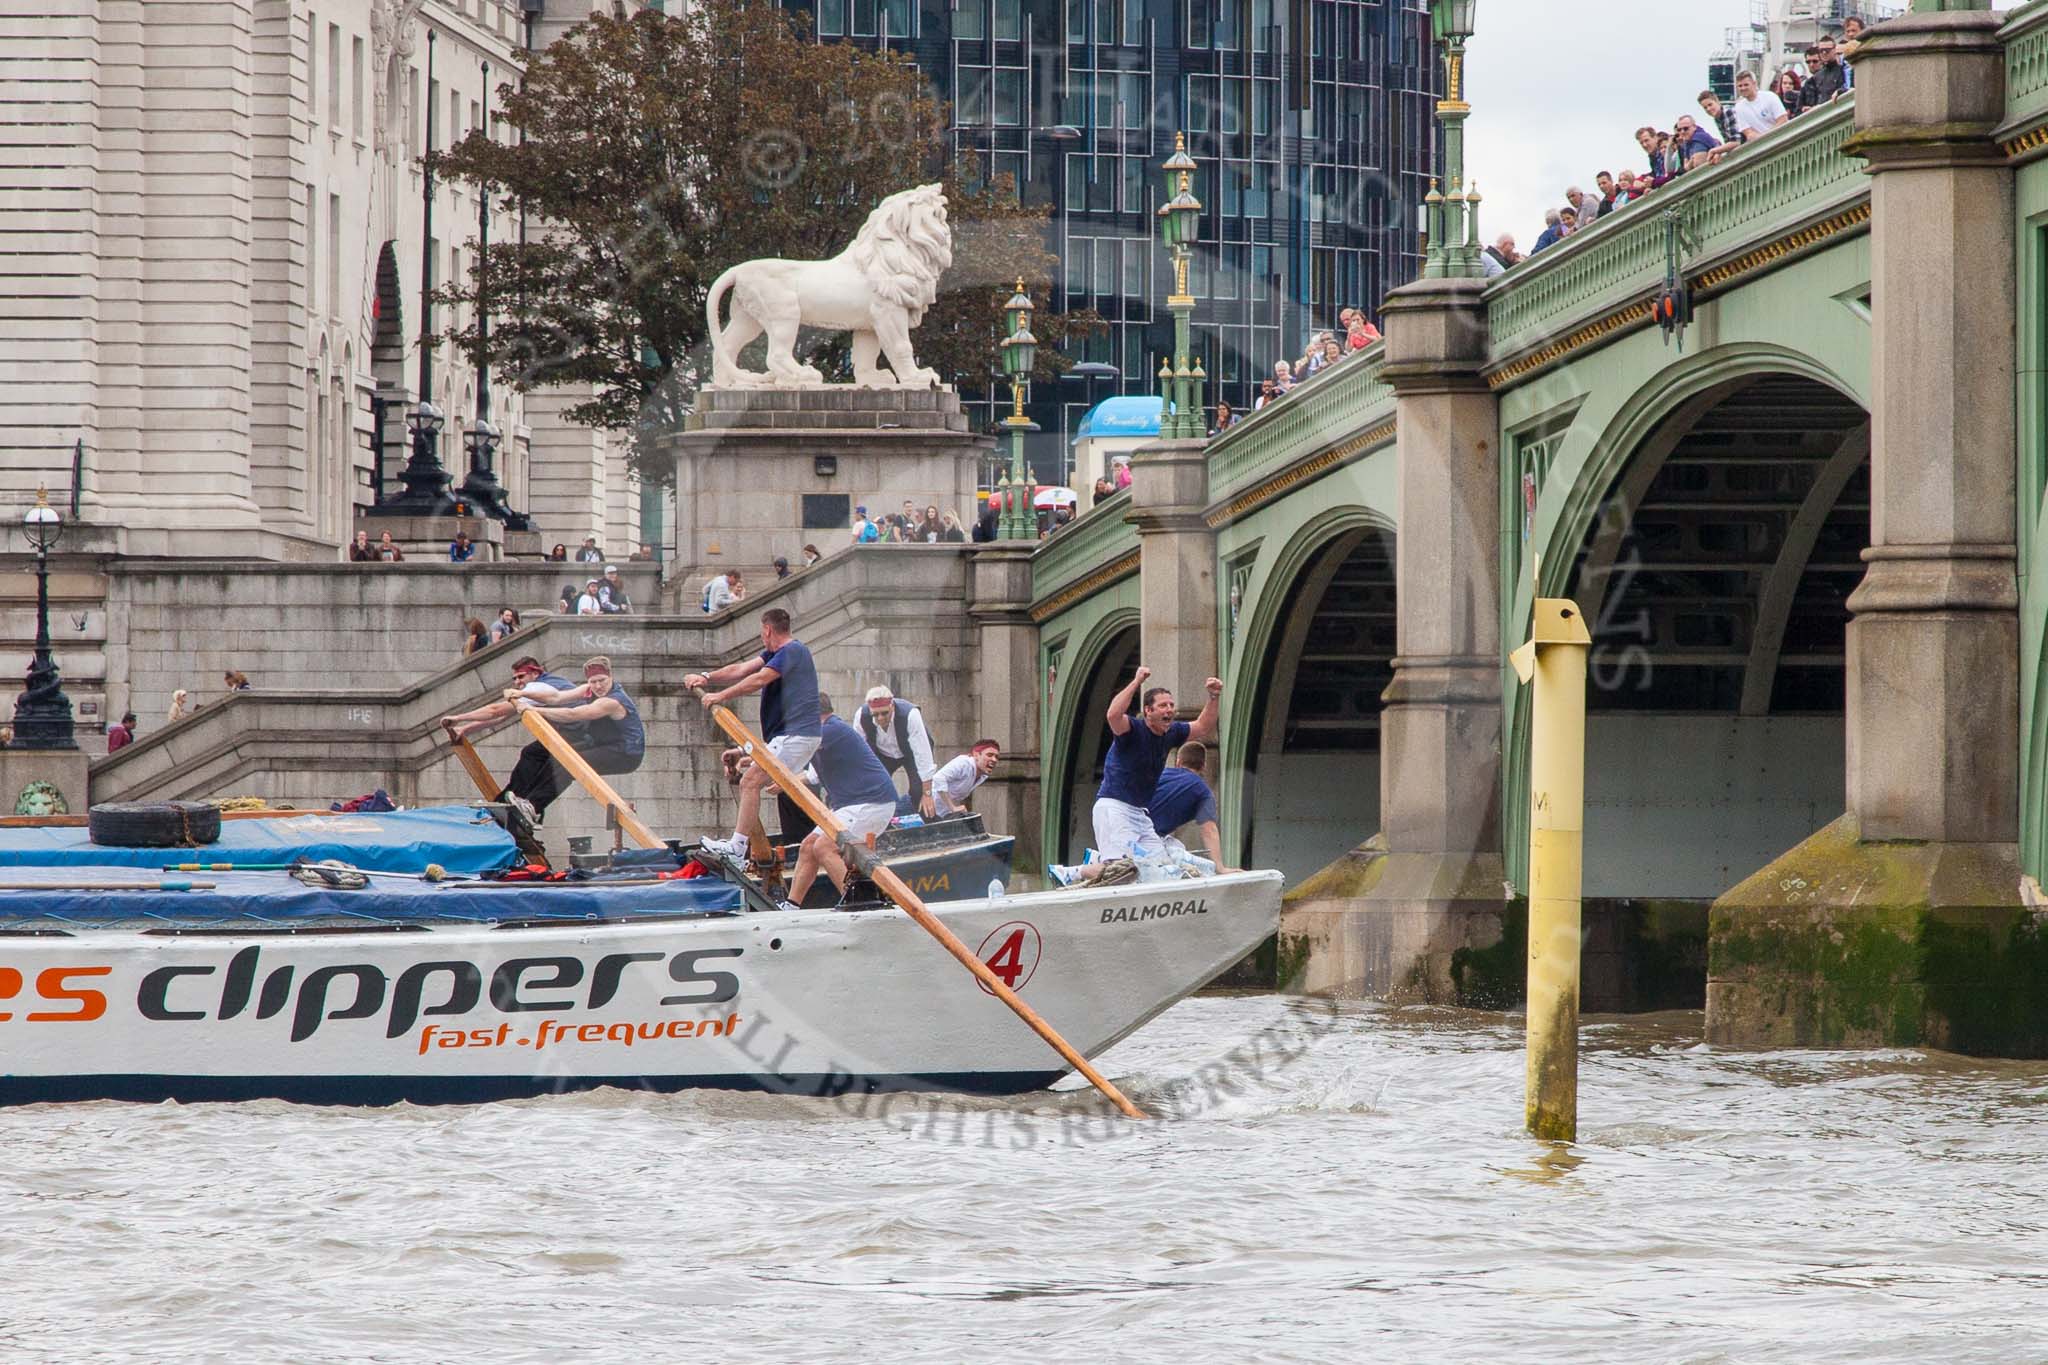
(1123, 830)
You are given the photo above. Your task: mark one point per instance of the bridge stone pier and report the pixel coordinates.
(1808, 526)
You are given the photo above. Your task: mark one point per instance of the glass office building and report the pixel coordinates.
(1311, 121)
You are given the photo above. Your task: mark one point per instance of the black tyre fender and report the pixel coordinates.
(154, 824)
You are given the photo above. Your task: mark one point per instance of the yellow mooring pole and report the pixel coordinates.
(1554, 660)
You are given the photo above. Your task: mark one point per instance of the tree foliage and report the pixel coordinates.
(649, 153)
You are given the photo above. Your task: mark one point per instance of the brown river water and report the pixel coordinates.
(1326, 1184)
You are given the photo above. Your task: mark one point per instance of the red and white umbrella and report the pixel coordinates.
(1055, 496)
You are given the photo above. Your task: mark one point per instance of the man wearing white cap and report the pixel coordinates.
(894, 729)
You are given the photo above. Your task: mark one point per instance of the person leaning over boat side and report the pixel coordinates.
(787, 679)
(1130, 774)
(954, 783)
(1184, 798)
(859, 790)
(896, 731)
(600, 720)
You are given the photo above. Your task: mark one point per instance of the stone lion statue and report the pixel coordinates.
(878, 289)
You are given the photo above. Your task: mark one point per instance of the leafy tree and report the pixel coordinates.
(652, 152)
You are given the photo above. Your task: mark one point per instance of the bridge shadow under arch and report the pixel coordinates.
(1319, 650)
(1716, 572)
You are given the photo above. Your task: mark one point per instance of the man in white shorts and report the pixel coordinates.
(1130, 775)
(954, 783)
(787, 680)
(859, 790)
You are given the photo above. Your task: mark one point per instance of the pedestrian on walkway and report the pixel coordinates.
(121, 733)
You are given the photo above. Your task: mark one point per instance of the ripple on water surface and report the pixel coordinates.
(1328, 1183)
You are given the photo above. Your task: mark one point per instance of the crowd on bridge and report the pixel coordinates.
(1697, 141)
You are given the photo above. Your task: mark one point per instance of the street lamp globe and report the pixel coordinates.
(484, 429)
(1453, 20)
(41, 523)
(1020, 348)
(428, 418)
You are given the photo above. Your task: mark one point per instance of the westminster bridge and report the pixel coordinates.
(1802, 529)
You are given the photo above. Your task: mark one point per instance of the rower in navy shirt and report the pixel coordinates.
(860, 791)
(787, 679)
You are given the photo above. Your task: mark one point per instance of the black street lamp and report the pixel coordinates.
(42, 714)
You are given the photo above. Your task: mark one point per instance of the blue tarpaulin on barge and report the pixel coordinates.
(463, 839)
(275, 900)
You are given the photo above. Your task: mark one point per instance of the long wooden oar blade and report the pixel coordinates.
(862, 859)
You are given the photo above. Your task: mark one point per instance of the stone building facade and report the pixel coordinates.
(215, 265)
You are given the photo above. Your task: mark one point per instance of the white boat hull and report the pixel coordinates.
(811, 1002)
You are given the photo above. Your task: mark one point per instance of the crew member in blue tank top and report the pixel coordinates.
(1142, 738)
(787, 679)
(860, 791)
(599, 718)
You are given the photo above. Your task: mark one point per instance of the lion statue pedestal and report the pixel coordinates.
(774, 460)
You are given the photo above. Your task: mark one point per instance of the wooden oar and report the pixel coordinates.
(860, 858)
(579, 768)
(473, 764)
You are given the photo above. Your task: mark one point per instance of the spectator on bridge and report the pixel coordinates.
(1283, 377)
(1787, 87)
(1628, 189)
(1852, 39)
(589, 553)
(460, 551)
(929, 529)
(121, 733)
(1694, 145)
(812, 554)
(613, 599)
(507, 622)
(474, 637)
(559, 555)
(985, 525)
(1757, 112)
(1501, 257)
(388, 550)
(865, 532)
(954, 783)
(781, 566)
(949, 529)
(641, 555)
(180, 703)
(1585, 208)
(587, 602)
(1267, 393)
(1823, 76)
(1553, 232)
(896, 731)
(567, 606)
(1184, 798)
(1359, 332)
(235, 680)
(787, 678)
(1120, 471)
(1721, 116)
(360, 551)
(1225, 420)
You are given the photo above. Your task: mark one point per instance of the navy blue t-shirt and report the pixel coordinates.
(1136, 758)
(852, 775)
(789, 705)
(1183, 797)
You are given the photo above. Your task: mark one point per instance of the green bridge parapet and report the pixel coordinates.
(1096, 541)
(1797, 176)
(1320, 413)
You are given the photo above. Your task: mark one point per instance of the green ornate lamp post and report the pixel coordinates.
(1180, 384)
(1019, 519)
(1453, 250)
(42, 713)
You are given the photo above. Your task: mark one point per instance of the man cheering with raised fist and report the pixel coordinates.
(1145, 733)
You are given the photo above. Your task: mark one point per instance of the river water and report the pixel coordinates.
(1328, 1184)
